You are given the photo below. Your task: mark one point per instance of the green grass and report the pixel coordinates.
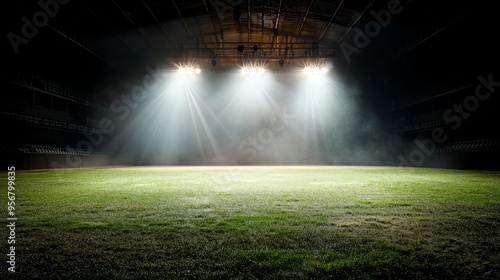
(257, 223)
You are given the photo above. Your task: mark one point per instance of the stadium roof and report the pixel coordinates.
(125, 34)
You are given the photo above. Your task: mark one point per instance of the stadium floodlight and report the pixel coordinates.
(188, 71)
(315, 70)
(252, 71)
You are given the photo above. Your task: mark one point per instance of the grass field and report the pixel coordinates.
(297, 222)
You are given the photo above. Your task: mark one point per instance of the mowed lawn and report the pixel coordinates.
(281, 222)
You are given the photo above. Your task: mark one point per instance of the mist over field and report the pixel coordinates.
(279, 118)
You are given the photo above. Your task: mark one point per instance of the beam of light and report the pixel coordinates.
(246, 96)
(317, 110)
(174, 125)
(198, 124)
(246, 106)
(202, 126)
(282, 117)
(260, 116)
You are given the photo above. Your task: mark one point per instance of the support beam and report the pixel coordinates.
(229, 50)
(157, 22)
(330, 21)
(249, 22)
(355, 22)
(132, 22)
(123, 13)
(276, 24)
(86, 48)
(221, 41)
(211, 22)
(262, 22)
(291, 35)
(110, 28)
(424, 40)
(182, 19)
(305, 17)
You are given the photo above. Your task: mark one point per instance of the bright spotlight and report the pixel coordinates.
(188, 71)
(315, 70)
(252, 71)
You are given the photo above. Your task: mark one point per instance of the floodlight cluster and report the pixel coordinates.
(188, 71)
(315, 71)
(252, 71)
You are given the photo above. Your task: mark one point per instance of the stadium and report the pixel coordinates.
(245, 139)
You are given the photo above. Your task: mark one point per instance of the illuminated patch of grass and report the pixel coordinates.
(258, 223)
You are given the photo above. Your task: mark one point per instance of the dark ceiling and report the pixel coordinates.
(115, 36)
